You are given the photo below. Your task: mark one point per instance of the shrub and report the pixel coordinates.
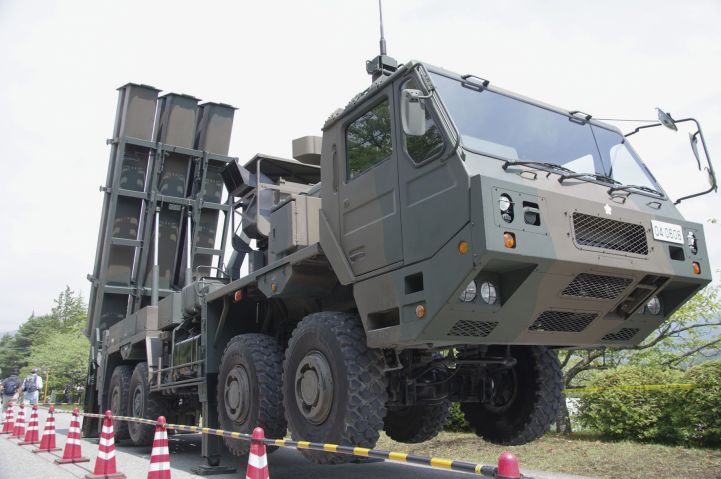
(631, 414)
(456, 421)
(697, 413)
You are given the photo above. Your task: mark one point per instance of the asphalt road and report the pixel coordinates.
(17, 461)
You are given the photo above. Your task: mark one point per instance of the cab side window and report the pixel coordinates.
(428, 145)
(368, 140)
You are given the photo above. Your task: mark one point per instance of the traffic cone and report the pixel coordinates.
(508, 467)
(160, 456)
(72, 453)
(32, 436)
(47, 442)
(257, 459)
(19, 428)
(105, 467)
(9, 423)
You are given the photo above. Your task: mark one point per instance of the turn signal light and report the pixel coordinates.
(696, 267)
(509, 240)
(420, 310)
(463, 247)
(238, 296)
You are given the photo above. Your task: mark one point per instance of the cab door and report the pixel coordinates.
(368, 190)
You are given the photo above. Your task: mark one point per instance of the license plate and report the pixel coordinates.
(667, 232)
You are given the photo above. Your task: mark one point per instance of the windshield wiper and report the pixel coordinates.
(628, 188)
(597, 176)
(537, 164)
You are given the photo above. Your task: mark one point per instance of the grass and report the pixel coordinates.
(580, 454)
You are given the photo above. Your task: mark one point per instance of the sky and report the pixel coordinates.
(287, 65)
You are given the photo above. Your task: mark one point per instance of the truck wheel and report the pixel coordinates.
(526, 399)
(249, 389)
(417, 423)
(143, 404)
(334, 388)
(118, 398)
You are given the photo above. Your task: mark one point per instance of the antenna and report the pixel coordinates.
(382, 64)
(383, 38)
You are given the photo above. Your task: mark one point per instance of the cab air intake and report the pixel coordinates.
(565, 321)
(609, 234)
(472, 328)
(596, 286)
(623, 334)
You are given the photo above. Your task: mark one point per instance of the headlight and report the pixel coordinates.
(504, 202)
(654, 306)
(506, 206)
(691, 241)
(488, 293)
(468, 294)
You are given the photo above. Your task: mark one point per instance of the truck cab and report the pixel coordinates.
(492, 218)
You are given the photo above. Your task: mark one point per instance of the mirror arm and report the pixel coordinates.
(653, 125)
(714, 186)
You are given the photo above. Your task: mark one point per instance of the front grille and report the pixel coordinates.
(472, 328)
(609, 234)
(596, 286)
(623, 334)
(567, 321)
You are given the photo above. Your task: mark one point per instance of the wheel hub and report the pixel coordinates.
(314, 387)
(237, 394)
(115, 401)
(505, 390)
(138, 403)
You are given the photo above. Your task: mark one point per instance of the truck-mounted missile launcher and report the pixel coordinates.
(438, 244)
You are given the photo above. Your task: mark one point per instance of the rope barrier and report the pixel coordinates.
(400, 457)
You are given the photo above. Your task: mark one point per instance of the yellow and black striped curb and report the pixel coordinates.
(401, 457)
(641, 387)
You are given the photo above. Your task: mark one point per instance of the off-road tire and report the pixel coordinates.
(119, 386)
(356, 413)
(151, 405)
(417, 423)
(262, 359)
(535, 405)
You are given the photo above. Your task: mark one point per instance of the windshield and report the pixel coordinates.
(511, 129)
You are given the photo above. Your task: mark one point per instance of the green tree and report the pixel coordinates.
(49, 332)
(697, 413)
(631, 414)
(691, 335)
(64, 356)
(70, 310)
(9, 355)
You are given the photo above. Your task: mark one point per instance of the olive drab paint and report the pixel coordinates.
(406, 232)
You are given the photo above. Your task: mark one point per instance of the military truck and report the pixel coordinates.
(438, 245)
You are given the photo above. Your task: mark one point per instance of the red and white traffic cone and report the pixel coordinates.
(105, 467)
(47, 442)
(9, 423)
(72, 452)
(257, 459)
(19, 428)
(508, 467)
(160, 455)
(31, 435)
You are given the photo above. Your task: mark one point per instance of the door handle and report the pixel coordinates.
(356, 255)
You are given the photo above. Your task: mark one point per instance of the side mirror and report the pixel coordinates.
(666, 119)
(694, 146)
(413, 112)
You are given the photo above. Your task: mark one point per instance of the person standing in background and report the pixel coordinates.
(10, 387)
(32, 386)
